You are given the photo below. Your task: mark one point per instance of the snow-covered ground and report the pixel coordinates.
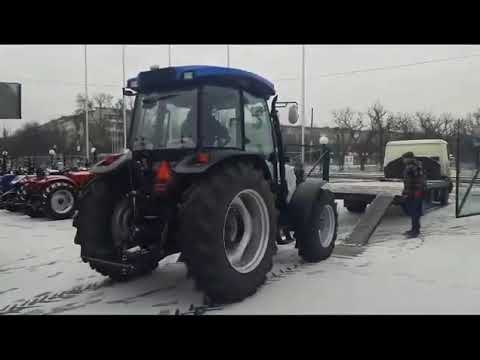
(41, 273)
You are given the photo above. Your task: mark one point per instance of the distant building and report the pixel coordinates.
(74, 125)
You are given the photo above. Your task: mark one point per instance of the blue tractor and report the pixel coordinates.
(205, 175)
(6, 182)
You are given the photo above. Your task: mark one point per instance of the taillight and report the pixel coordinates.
(163, 176)
(203, 158)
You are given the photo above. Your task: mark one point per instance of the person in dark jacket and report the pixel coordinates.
(213, 130)
(414, 191)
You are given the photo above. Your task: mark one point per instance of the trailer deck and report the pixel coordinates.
(366, 190)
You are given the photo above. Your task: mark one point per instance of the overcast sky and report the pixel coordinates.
(52, 75)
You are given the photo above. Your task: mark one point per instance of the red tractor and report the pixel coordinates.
(54, 196)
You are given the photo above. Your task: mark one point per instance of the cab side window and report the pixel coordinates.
(258, 128)
(221, 117)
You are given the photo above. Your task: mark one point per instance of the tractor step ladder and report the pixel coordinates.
(367, 224)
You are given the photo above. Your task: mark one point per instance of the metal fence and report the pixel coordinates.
(351, 162)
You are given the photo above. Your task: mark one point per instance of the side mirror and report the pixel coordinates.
(293, 114)
(128, 92)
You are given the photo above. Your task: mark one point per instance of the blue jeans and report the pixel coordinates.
(415, 210)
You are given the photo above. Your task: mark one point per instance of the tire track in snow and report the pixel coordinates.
(281, 269)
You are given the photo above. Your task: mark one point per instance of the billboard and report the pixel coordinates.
(10, 100)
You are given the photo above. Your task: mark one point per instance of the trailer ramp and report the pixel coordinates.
(367, 224)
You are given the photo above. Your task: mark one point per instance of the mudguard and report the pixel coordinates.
(40, 184)
(190, 166)
(301, 205)
(81, 178)
(112, 163)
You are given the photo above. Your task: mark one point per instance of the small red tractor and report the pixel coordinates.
(53, 196)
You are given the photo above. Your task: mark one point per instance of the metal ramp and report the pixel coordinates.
(367, 224)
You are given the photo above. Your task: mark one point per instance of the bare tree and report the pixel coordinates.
(446, 128)
(470, 122)
(80, 101)
(404, 123)
(431, 126)
(428, 123)
(103, 100)
(119, 105)
(475, 116)
(381, 125)
(349, 124)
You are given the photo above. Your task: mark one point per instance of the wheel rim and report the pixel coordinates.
(246, 231)
(123, 227)
(326, 229)
(62, 201)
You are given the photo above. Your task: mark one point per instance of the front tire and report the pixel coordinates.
(227, 232)
(317, 240)
(33, 213)
(60, 201)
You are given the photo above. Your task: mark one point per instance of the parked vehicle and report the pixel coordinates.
(53, 195)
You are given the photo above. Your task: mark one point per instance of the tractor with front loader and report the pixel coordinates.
(204, 175)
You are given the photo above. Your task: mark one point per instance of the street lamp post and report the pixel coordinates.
(303, 103)
(169, 55)
(4, 161)
(52, 153)
(326, 158)
(86, 106)
(228, 55)
(94, 155)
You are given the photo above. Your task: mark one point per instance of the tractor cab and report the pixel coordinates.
(194, 108)
(188, 119)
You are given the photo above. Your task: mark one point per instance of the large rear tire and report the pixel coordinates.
(94, 231)
(317, 240)
(227, 232)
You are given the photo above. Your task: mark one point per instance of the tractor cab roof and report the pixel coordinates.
(159, 79)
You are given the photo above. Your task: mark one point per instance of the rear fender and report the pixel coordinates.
(299, 210)
(112, 163)
(81, 178)
(43, 184)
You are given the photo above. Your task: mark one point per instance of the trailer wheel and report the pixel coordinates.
(355, 206)
(227, 232)
(444, 196)
(317, 241)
